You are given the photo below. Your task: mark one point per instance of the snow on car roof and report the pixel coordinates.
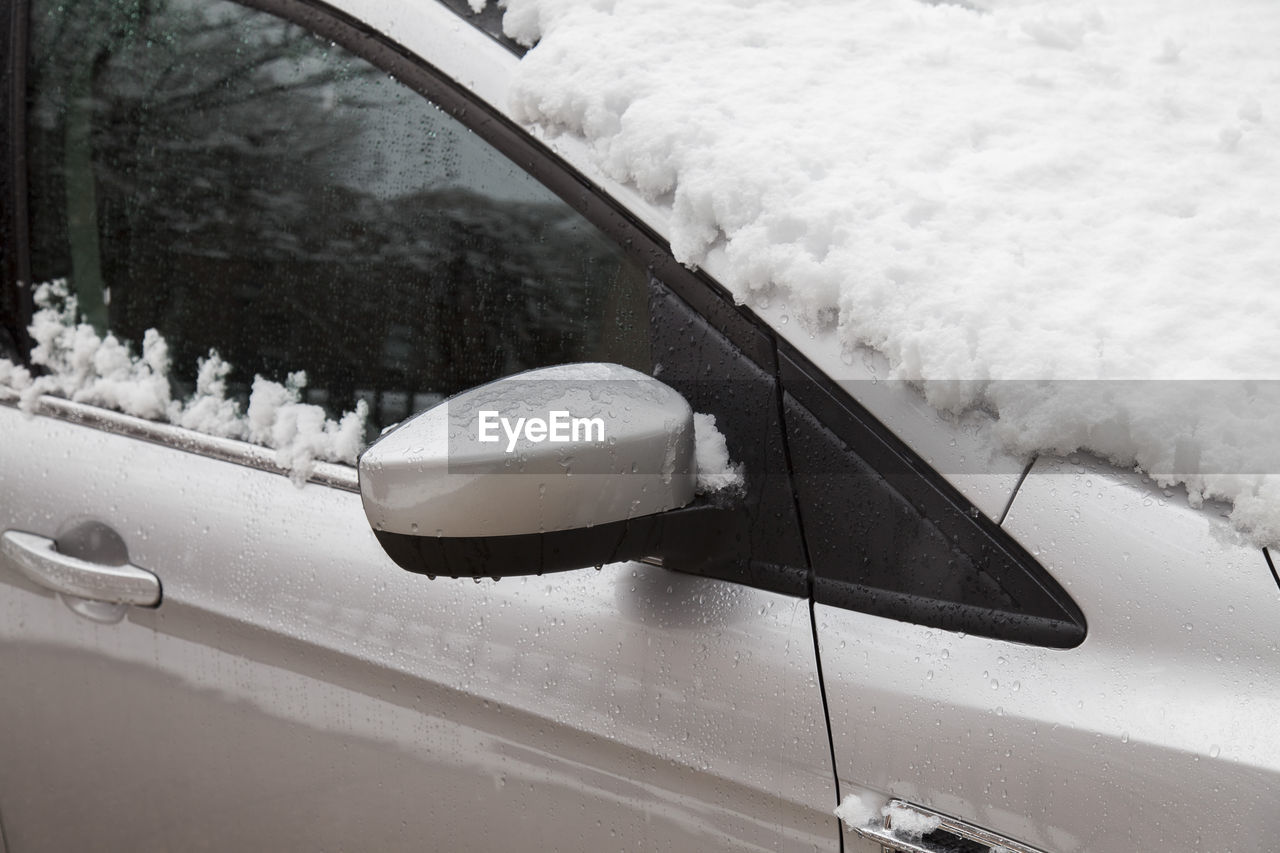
(1057, 212)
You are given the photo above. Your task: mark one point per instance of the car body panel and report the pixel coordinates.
(318, 696)
(321, 697)
(1159, 727)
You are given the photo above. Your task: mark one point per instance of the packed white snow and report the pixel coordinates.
(909, 822)
(87, 368)
(983, 191)
(716, 471)
(863, 807)
(860, 808)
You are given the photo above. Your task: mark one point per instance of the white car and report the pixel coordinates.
(205, 645)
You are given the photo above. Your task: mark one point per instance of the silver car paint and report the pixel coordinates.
(1157, 733)
(908, 718)
(296, 690)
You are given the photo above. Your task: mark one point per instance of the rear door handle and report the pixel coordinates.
(38, 559)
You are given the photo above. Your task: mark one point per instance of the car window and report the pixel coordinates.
(240, 185)
(887, 535)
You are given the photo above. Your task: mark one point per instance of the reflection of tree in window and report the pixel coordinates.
(239, 184)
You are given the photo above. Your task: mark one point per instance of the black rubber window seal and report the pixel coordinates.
(16, 300)
(488, 21)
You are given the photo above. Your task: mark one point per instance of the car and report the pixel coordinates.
(268, 232)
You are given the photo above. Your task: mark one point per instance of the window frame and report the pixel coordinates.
(751, 336)
(994, 551)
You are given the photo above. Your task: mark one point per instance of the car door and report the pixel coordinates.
(275, 192)
(1090, 673)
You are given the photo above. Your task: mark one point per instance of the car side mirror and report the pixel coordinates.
(552, 469)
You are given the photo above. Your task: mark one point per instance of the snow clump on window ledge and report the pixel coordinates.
(104, 371)
(87, 368)
(716, 471)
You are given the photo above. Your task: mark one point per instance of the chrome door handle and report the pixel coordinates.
(891, 842)
(37, 559)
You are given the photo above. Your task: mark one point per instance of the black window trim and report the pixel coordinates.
(940, 501)
(16, 305)
(488, 21)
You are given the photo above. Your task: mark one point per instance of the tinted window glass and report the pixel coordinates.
(239, 184)
(887, 536)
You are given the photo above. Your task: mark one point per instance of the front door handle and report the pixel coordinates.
(39, 560)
